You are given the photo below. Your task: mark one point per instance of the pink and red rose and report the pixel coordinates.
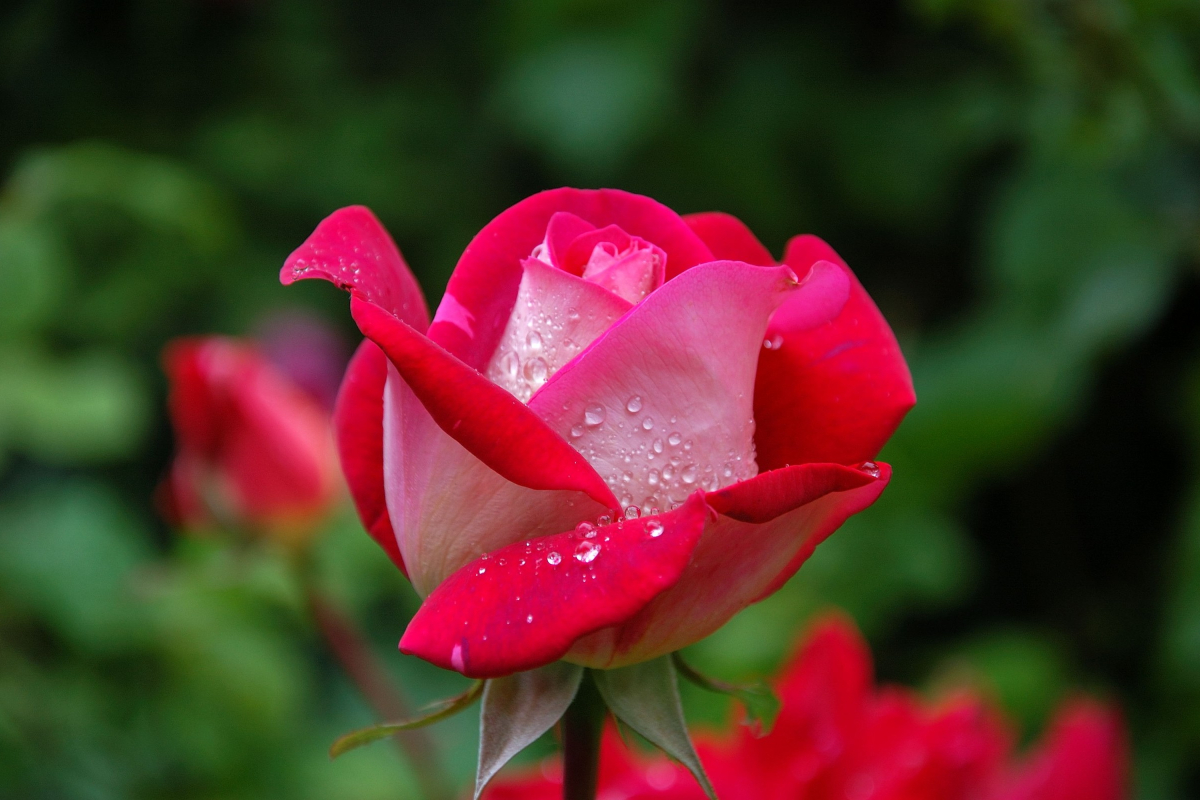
(596, 356)
(252, 449)
(838, 737)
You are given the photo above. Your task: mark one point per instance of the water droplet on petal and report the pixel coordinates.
(603, 520)
(632, 512)
(648, 424)
(593, 415)
(529, 618)
(668, 472)
(585, 528)
(535, 371)
(634, 405)
(572, 314)
(653, 477)
(657, 446)
(674, 439)
(482, 570)
(586, 552)
(553, 558)
(534, 343)
(774, 342)
(688, 475)
(576, 431)
(871, 468)
(654, 528)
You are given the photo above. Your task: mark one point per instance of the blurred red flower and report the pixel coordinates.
(252, 448)
(838, 737)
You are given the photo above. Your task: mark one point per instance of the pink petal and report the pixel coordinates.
(448, 508)
(351, 249)
(834, 392)
(747, 560)
(671, 380)
(555, 317)
(728, 238)
(489, 422)
(484, 284)
(358, 425)
(562, 229)
(524, 605)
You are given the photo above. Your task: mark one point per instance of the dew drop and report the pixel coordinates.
(688, 475)
(773, 343)
(572, 314)
(593, 415)
(529, 618)
(482, 570)
(687, 445)
(576, 431)
(584, 528)
(648, 424)
(534, 343)
(586, 552)
(626, 500)
(871, 468)
(634, 405)
(510, 365)
(674, 439)
(632, 512)
(603, 520)
(668, 472)
(654, 528)
(553, 558)
(657, 446)
(653, 477)
(627, 477)
(536, 371)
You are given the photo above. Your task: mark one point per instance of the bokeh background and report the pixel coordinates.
(1017, 183)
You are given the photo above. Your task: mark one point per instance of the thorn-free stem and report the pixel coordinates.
(582, 727)
(361, 666)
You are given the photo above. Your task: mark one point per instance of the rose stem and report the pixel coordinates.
(582, 727)
(359, 663)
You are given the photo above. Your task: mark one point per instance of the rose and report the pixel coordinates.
(839, 736)
(597, 355)
(252, 449)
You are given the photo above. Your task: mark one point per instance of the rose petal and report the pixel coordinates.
(358, 426)
(728, 238)
(485, 419)
(524, 605)
(671, 380)
(555, 317)
(447, 507)
(835, 392)
(748, 560)
(351, 249)
(484, 285)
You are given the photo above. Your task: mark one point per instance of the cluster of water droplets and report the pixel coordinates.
(649, 463)
(533, 347)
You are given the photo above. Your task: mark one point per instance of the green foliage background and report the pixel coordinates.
(1017, 182)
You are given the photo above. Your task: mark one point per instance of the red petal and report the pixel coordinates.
(524, 605)
(729, 239)
(832, 393)
(358, 425)
(1084, 756)
(351, 249)
(483, 288)
(747, 560)
(490, 423)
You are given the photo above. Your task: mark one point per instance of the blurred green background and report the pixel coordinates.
(1017, 183)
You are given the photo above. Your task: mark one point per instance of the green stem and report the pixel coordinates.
(582, 727)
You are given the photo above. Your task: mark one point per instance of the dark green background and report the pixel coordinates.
(1017, 182)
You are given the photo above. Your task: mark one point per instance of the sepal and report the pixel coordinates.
(519, 708)
(645, 697)
(761, 704)
(434, 713)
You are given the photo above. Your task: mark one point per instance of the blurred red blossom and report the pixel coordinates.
(253, 449)
(839, 737)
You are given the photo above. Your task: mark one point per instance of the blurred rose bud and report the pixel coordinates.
(253, 449)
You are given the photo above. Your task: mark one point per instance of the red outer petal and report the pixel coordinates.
(748, 560)
(833, 393)
(483, 288)
(358, 426)
(351, 249)
(1084, 755)
(729, 238)
(514, 610)
(494, 426)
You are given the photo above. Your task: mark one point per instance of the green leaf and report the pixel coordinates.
(646, 698)
(517, 710)
(438, 711)
(761, 704)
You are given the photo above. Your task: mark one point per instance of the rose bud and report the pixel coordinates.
(622, 426)
(253, 450)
